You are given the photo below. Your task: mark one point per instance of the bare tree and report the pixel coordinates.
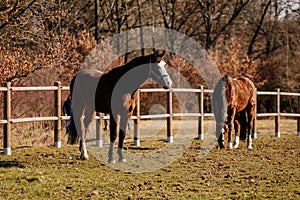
(265, 8)
(11, 11)
(219, 18)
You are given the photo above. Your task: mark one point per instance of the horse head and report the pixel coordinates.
(226, 79)
(222, 140)
(220, 109)
(157, 70)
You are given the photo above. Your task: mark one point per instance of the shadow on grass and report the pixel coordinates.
(9, 164)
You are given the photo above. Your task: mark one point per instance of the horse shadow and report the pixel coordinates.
(10, 164)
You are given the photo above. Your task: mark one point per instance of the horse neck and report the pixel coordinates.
(142, 67)
(130, 78)
(142, 75)
(219, 102)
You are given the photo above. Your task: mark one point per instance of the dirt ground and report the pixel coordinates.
(268, 171)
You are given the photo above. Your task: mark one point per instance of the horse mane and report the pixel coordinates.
(95, 73)
(135, 62)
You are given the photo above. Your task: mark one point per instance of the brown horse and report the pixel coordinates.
(232, 99)
(113, 93)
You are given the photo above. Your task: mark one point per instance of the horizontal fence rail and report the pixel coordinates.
(8, 121)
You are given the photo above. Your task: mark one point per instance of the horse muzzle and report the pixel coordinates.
(222, 140)
(167, 82)
(168, 86)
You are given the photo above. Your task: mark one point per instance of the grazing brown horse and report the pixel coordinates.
(113, 93)
(232, 99)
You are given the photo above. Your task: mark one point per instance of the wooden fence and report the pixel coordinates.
(57, 117)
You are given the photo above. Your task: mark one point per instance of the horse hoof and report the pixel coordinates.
(230, 145)
(122, 160)
(249, 147)
(82, 157)
(235, 146)
(113, 161)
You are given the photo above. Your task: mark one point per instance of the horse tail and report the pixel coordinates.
(220, 104)
(73, 135)
(72, 84)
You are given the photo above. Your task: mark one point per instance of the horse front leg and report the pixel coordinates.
(113, 137)
(231, 117)
(251, 114)
(221, 134)
(237, 127)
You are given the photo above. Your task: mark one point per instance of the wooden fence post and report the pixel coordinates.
(277, 118)
(254, 133)
(298, 119)
(137, 121)
(7, 115)
(57, 113)
(99, 141)
(169, 119)
(201, 118)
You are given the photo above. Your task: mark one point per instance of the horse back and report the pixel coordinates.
(83, 86)
(241, 93)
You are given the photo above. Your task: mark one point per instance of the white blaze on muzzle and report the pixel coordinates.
(162, 64)
(160, 75)
(165, 76)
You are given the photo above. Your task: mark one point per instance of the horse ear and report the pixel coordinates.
(226, 79)
(229, 79)
(159, 55)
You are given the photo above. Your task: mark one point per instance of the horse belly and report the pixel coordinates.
(102, 103)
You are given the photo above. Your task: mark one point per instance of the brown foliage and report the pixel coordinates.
(60, 60)
(231, 60)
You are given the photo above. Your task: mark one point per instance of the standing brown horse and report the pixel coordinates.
(113, 93)
(233, 98)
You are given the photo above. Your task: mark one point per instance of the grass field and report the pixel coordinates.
(269, 171)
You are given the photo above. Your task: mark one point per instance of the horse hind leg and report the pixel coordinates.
(113, 137)
(243, 122)
(85, 124)
(251, 114)
(82, 147)
(78, 117)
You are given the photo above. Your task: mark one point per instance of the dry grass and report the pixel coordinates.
(269, 171)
